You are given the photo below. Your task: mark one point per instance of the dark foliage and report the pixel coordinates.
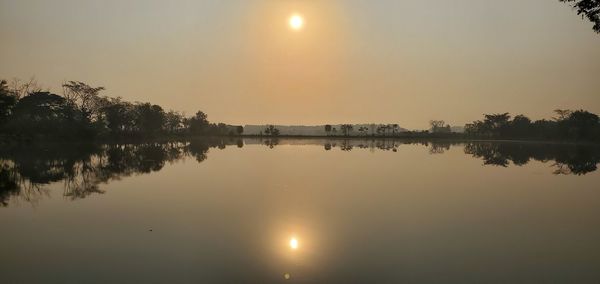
(589, 9)
(83, 167)
(7, 101)
(271, 130)
(346, 129)
(567, 159)
(81, 113)
(576, 126)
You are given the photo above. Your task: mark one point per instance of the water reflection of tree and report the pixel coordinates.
(439, 147)
(9, 183)
(27, 169)
(271, 143)
(82, 181)
(567, 159)
(372, 144)
(198, 149)
(25, 172)
(346, 145)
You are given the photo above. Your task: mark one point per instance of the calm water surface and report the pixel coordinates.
(300, 211)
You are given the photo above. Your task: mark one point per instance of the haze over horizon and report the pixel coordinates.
(404, 62)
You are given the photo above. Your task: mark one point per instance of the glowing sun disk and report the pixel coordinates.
(296, 22)
(293, 243)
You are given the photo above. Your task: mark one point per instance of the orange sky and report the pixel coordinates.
(354, 61)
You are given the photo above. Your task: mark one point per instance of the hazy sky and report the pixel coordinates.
(354, 61)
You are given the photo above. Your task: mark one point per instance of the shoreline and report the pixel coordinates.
(456, 138)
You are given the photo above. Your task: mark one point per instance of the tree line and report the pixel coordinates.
(373, 130)
(568, 125)
(81, 112)
(28, 111)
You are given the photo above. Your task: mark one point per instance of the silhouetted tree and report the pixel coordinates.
(582, 125)
(497, 122)
(271, 130)
(568, 125)
(562, 114)
(589, 9)
(520, 126)
(439, 126)
(84, 98)
(149, 118)
(44, 113)
(328, 128)
(20, 88)
(363, 130)
(396, 128)
(173, 121)
(82, 112)
(199, 123)
(494, 125)
(7, 102)
(119, 116)
(222, 129)
(437, 123)
(346, 129)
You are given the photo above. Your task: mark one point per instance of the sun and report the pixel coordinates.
(296, 22)
(294, 243)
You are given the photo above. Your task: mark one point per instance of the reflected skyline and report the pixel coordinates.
(83, 169)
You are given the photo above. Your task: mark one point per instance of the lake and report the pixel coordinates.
(300, 211)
